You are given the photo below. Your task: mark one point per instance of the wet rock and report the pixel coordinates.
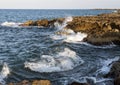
(76, 83)
(25, 82)
(41, 82)
(28, 23)
(34, 82)
(115, 70)
(43, 23)
(117, 81)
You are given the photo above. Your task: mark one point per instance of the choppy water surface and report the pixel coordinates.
(33, 53)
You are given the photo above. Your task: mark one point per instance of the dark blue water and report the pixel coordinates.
(47, 58)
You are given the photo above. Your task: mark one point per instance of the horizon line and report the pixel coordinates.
(64, 8)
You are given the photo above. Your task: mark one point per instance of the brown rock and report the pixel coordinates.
(102, 29)
(43, 23)
(11, 84)
(25, 82)
(28, 23)
(41, 82)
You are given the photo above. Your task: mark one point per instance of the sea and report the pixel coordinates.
(30, 53)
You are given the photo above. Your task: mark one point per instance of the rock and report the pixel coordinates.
(103, 29)
(28, 23)
(41, 82)
(117, 81)
(76, 83)
(115, 70)
(43, 23)
(11, 84)
(25, 82)
(34, 82)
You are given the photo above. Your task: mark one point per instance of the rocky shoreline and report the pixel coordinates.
(42, 82)
(102, 29)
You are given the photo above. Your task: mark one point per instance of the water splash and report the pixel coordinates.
(10, 24)
(107, 65)
(64, 24)
(75, 38)
(4, 73)
(62, 61)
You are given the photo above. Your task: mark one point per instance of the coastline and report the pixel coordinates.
(102, 29)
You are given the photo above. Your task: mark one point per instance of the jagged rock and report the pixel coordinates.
(76, 83)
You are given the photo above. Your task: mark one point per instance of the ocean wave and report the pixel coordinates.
(75, 38)
(64, 24)
(4, 73)
(10, 24)
(106, 65)
(63, 61)
(68, 35)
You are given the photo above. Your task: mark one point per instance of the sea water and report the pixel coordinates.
(35, 53)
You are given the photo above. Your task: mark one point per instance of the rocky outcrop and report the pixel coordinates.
(43, 23)
(101, 29)
(34, 82)
(115, 72)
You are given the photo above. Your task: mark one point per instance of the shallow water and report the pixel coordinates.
(28, 51)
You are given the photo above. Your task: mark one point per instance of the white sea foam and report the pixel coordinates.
(75, 38)
(10, 24)
(70, 36)
(63, 61)
(64, 24)
(4, 73)
(94, 81)
(67, 35)
(106, 65)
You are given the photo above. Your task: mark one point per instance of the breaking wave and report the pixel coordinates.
(4, 73)
(106, 65)
(63, 61)
(64, 24)
(10, 24)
